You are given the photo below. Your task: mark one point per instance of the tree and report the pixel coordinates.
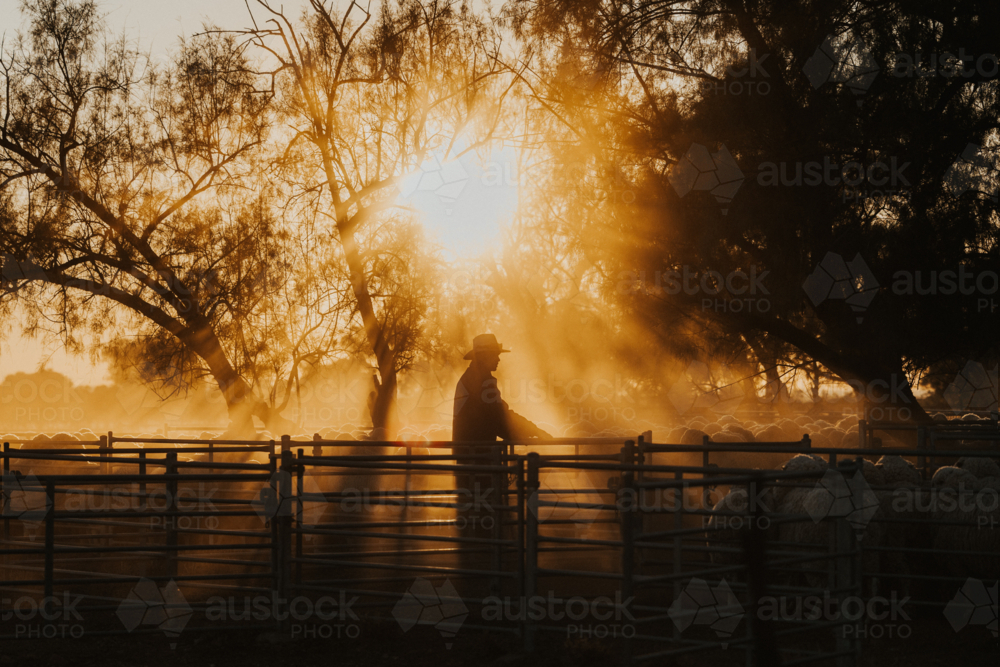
(128, 205)
(663, 111)
(368, 102)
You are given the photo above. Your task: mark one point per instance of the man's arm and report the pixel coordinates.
(519, 428)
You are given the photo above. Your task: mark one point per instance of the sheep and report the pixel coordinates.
(712, 428)
(727, 436)
(970, 504)
(951, 477)
(804, 463)
(771, 433)
(693, 437)
(736, 428)
(980, 466)
(813, 536)
(897, 471)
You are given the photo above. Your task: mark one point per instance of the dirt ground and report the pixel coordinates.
(382, 644)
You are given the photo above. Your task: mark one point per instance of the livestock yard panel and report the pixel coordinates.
(742, 551)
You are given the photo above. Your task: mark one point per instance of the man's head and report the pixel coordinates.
(485, 353)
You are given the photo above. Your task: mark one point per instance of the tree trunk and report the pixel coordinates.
(383, 407)
(241, 402)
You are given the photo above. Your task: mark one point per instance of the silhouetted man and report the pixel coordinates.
(482, 415)
(480, 412)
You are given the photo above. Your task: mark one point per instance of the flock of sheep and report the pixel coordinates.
(910, 529)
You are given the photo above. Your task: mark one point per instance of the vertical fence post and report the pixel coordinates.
(272, 522)
(171, 488)
(317, 448)
(627, 515)
(299, 490)
(6, 471)
(519, 520)
(845, 578)
(102, 452)
(678, 502)
(284, 521)
(496, 553)
(142, 478)
(639, 519)
(530, 550)
(762, 648)
(50, 537)
(862, 433)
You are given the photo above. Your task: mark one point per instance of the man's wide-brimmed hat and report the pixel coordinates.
(485, 343)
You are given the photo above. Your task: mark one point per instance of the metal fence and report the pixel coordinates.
(642, 545)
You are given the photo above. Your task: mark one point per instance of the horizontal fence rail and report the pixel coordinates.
(664, 550)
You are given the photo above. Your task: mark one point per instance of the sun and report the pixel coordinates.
(464, 202)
